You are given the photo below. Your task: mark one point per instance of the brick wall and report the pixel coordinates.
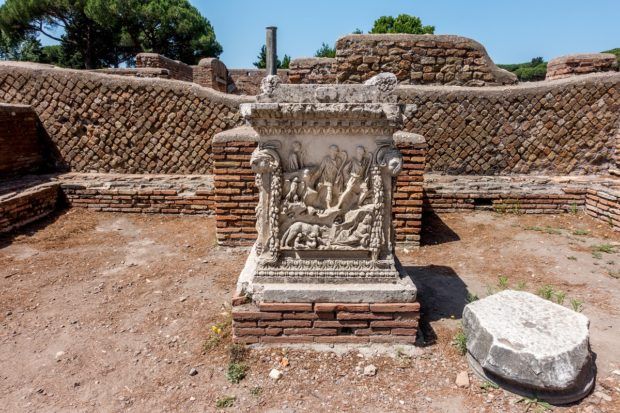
(136, 72)
(23, 207)
(177, 70)
(417, 59)
(103, 123)
(567, 126)
(160, 194)
(580, 64)
(211, 73)
(326, 323)
(409, 190)
(312, 70)
(21, 149)
(602, 202)
(236, 195)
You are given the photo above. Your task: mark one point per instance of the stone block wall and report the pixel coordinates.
(417, 59)
(312, 70)
(556, 128)
(102, 123)
(247, 81)
(580, 64)
(211, 72)
(21, 149)
(326, 323)
(177, 70)
(136, 72)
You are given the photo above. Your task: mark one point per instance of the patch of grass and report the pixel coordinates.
(537, 405)
(606, 248)
(224, 402)
(581, 232)
(502, 282)
(546, 292)
(546, 230)
(572, 258)
(236, 372)
(614, 274)
(404, 360)
(460, 342)
(237, 353)
(597, 255)
(488, 385)
(521, 285)
(576, 305)
(256, 391)
(559, 297)
(573, 209)
(219, 332)
(471, 297)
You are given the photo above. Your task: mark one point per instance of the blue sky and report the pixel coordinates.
(512, 31)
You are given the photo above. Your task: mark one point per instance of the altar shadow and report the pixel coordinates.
(442, 294)
(435, 231)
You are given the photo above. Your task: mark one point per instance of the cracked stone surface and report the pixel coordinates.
(529, 345)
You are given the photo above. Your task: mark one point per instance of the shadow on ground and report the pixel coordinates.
(442, 294)
(32, 228)
(435, 231)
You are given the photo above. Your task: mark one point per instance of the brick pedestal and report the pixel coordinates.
(290, 323)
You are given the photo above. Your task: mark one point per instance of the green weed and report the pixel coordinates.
(224, 402)
(546, 292)
(576, 305)
(460, 342)
(236, 372)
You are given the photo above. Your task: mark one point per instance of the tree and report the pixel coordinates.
(97, 33)
(325, 51)
(261, 62)
(403, 23)
(358, 31)
(534, 70)
(28, 49)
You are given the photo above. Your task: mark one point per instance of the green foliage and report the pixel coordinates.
(24, 49)
(559, 297)
(581, 232)
(460, 342)
(521, 285)
(534, 70)
(502, 282)
(100, 33)
(546, 292)
(606, 248)
(576, 305)
(358, 31)
(615, 51)
(537, 405)
(261, 62)
(471, 297)
(325, 51)
(236, 372)
(403, 23)
(224, 402)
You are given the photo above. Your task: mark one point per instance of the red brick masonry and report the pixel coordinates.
(289, 323)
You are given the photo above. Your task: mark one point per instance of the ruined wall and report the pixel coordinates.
(247, 81)
(567, 126)
(580, 64)
(177, 70)
(417, 59)
(21, 149)
(312, 70)
(103, 123)
(211, 73)
(136, 72)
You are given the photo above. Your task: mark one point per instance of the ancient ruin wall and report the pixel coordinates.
(21, 149)
(211, 72)
(312, 70)
(104, 123)
(417, 59)
(247, 81)
(560, 127)
(177, 70)
(580, 64)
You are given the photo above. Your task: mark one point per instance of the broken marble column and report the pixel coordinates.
(530, 346)
(325, 166)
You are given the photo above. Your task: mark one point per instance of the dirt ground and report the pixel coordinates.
(110, 312)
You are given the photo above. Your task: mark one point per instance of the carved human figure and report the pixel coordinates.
(360, 236)
(292, 195)
(358, 176)
(295, 159)
(330, 174)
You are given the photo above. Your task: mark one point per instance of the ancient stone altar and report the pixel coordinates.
(324, 167)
